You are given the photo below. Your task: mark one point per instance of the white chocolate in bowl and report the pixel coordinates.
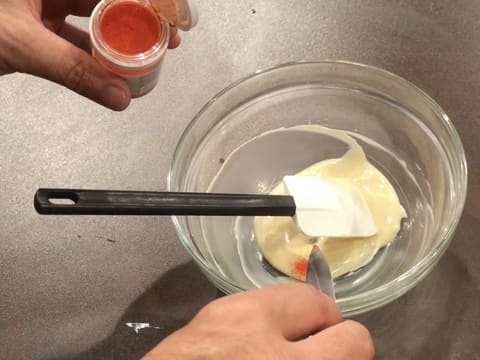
(287, 248)
(256, 167)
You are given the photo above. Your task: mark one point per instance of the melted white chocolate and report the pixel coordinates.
(288, 249)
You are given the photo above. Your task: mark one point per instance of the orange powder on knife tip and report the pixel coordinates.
(299, 267)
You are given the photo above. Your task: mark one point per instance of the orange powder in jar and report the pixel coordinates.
(129, 27)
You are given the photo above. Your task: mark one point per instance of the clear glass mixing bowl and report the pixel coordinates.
(401, 129)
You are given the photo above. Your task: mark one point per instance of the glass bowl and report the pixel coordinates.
(403, 132)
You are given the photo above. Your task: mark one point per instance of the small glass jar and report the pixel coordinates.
(130, 22)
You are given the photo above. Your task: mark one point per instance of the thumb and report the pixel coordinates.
(55, 59)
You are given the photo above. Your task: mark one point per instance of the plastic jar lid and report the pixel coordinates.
(179, 13)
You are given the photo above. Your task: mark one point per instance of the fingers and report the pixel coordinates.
(344, 341)
(76, 36)
(60, 61)
(174, 38)
(294, 310)
(250, 325)
(299, 310)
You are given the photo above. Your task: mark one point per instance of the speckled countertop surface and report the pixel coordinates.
(69, 285)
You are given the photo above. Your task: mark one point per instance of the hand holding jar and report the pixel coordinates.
(35, 38)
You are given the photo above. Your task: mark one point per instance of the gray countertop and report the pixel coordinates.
(69, 285)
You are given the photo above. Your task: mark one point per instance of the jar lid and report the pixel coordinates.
(179, 13)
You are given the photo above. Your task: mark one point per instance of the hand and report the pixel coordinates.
(36, 39)
(283, 322)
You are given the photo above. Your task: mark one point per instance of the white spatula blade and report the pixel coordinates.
(330, 208)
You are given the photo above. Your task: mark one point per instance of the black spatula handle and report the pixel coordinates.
(107, 202)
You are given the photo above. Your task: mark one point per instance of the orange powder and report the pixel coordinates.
(129, 27)
(299, 267)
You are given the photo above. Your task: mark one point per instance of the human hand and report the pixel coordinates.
(36, 39)
(293, 321)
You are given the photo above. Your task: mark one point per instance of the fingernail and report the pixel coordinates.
(174, 42)
(116, 97)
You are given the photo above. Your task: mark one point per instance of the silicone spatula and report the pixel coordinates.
(320, 208)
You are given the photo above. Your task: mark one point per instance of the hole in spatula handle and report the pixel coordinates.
(63, 199)
(47, 199)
